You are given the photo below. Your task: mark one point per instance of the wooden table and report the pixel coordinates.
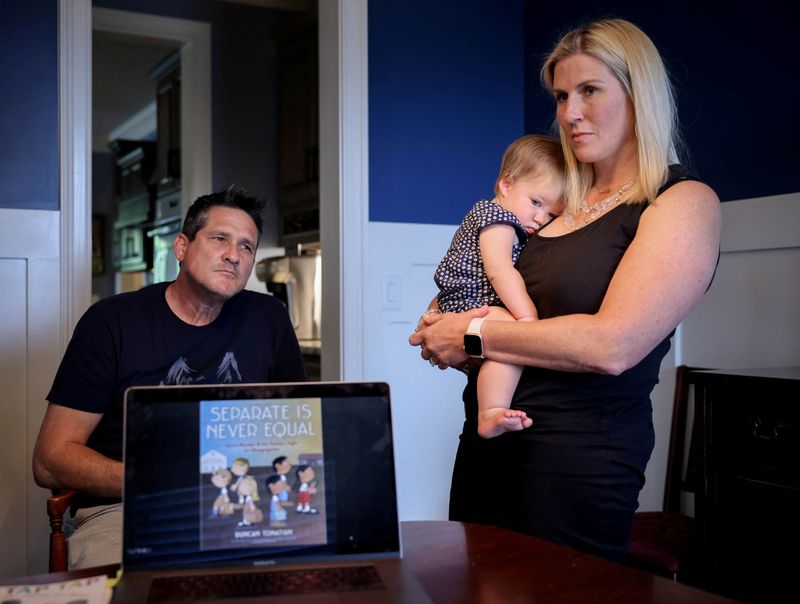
(464, 563)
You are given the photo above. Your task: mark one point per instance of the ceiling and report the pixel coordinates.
(123, 94)
(121, 84)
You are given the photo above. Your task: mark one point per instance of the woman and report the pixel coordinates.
(631, 255)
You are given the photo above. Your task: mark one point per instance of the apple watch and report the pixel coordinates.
(473, 343)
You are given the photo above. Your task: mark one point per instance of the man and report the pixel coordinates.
(201, 328)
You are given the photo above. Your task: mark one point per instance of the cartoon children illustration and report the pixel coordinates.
(240, 467)
(222, 504)
(308, 487)
(282, 465)
(248, 488)
(277, 514)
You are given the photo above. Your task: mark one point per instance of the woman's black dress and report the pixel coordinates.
(574, 476)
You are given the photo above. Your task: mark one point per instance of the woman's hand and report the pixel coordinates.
(441, 336)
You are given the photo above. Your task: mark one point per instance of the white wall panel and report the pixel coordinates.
(14, 462)
(44, 355)
(426, 402)
(750, 317)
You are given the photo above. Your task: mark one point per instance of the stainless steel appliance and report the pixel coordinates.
(167, 224)
(297, 281)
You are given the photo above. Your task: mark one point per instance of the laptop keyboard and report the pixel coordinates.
(267, 583)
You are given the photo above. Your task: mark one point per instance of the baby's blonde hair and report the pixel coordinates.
(531, 155)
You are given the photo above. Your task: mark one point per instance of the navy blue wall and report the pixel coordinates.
(735, 70)
(445, 100)
(29, 105)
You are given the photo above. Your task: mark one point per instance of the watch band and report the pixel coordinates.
(473, 342)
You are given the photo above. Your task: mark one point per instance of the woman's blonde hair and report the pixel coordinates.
(634, 60)
(531, 155)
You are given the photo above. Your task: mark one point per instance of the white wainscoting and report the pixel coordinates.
(426, 403)
(29, 355)
(751, 315)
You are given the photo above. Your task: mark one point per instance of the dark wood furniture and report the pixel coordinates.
(465, 563)
(134, 163)
(749, 510)
(167, 76)
(57, 506)
(666, 542)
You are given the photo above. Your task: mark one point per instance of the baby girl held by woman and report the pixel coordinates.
(478, 268)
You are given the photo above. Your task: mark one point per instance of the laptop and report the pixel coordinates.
(261, 492)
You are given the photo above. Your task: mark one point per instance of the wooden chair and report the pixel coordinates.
(664, 542)
(57, 505)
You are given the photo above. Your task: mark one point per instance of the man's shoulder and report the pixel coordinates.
(141, 298)
(258, 302)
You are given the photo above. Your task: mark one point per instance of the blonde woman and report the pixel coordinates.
(631, 255)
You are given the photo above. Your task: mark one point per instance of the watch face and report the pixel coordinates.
(473, 345)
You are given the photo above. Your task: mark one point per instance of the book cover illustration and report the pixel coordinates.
(261, 473)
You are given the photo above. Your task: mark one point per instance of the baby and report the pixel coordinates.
(478, 268)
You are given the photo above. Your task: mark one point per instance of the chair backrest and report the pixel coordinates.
(677, 481)
(57, 505)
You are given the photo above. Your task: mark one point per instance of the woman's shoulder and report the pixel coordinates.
(686, 195)
(682, 182)
(676, 174)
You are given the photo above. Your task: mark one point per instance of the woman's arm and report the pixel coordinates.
(662, 276)
(496, 243)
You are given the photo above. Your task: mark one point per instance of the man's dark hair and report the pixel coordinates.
(233, 197)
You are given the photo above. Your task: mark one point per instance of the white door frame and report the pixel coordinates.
(343, 161)
(344, 184)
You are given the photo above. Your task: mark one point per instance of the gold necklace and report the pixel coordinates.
(591, 212)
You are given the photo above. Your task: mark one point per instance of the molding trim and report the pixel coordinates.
(75, 168)
(344, 184)
(775, 219)
(195, 40)
(30, 234)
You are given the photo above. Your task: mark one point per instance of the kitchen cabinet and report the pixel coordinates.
(298, 129)
(167, 76)
(134, 162)
(749, 507)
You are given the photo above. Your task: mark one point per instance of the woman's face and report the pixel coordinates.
(593, 110)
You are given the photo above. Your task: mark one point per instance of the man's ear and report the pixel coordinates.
(179, 246)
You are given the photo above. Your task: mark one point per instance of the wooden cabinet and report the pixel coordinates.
(298, 129)
(134, 162)
(167, 76)
(749, 510)
(147, 180)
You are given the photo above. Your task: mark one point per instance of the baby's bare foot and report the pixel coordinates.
(497, 421)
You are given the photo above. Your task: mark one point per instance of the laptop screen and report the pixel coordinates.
(258, 474)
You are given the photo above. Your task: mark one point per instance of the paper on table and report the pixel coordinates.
(89, 590)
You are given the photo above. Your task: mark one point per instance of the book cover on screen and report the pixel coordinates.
(261, 473)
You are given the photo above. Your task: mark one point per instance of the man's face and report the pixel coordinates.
(219, 260)
(283, 467)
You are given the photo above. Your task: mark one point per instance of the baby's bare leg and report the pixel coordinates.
(496, 385)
